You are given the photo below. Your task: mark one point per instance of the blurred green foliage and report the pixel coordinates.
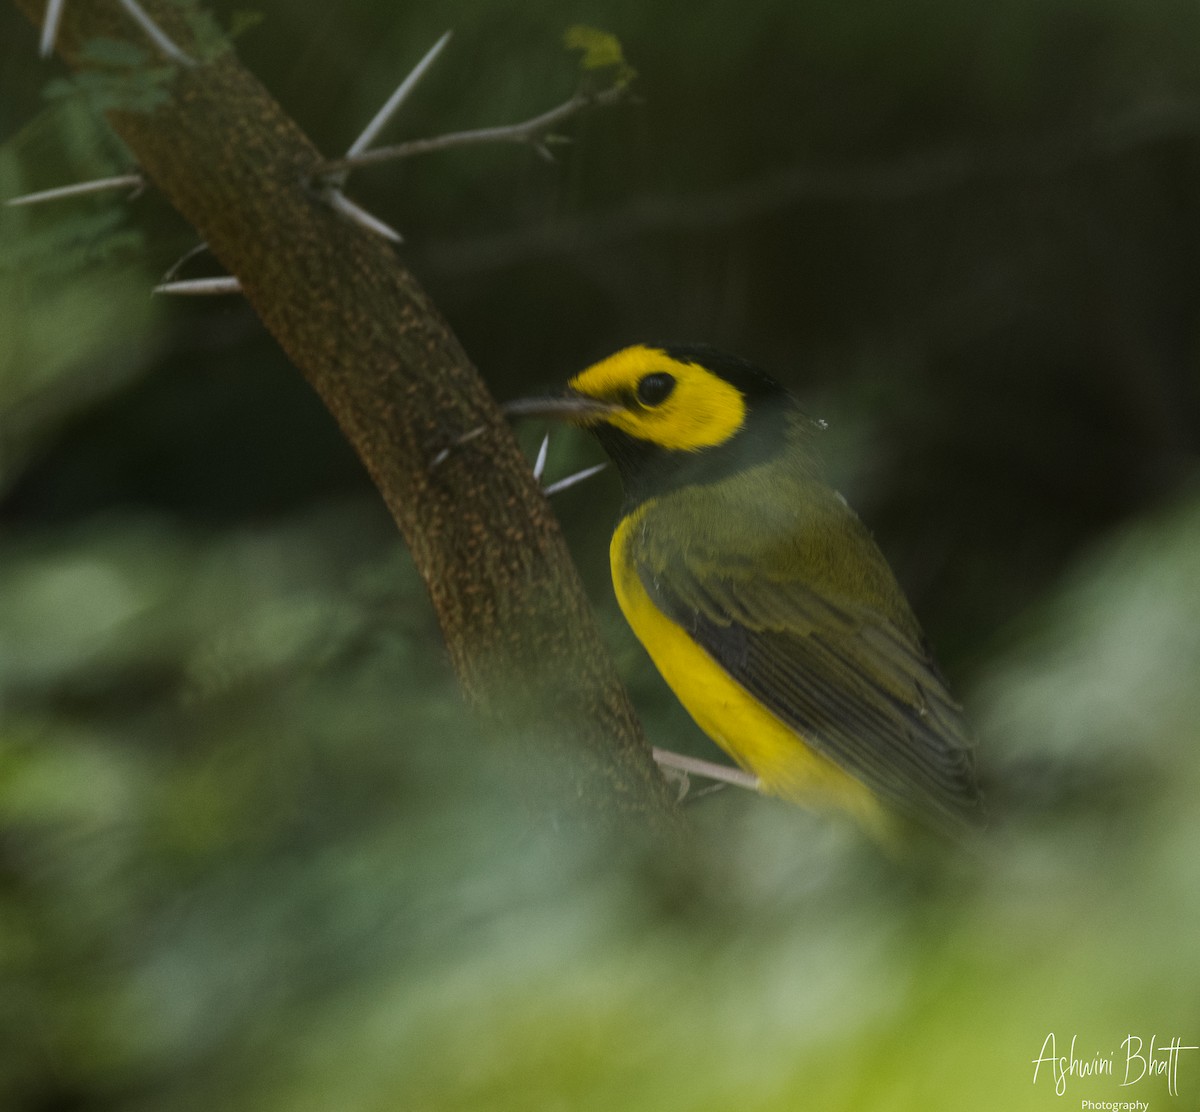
(253, 853)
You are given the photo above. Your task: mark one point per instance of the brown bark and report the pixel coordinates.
(366, 337)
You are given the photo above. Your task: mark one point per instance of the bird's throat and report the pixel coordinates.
(649, 470)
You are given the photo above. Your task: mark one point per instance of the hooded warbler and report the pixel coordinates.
(761, 597)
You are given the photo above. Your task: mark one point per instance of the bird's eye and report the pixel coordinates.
(656, 388)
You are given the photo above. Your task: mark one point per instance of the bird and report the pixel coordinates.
(760, 596)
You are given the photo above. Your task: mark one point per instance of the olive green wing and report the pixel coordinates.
(860, 686)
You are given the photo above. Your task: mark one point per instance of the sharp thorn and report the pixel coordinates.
(394, 102)
(201, 287)
(571, 480)
(78, 190)
(50, 22)
(539, 464)
(695, 766)
(359, 215)
(155, 33)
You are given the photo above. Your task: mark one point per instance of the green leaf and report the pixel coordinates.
(140, 90)
(243, 20)
(601, 51)
(208, 38)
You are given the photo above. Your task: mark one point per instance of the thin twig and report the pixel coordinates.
(571, 480)
(201, 287)
(397, 98)
(99, 185)
(341, 203)
(536, 130)
(54, 10)
(155, 33)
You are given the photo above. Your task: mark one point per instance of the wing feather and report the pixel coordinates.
(856, 682)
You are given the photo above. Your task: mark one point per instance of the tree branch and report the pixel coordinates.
(518, 628)
(534, 131)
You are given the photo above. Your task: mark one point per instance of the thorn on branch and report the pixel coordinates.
(397, 99)
(539, 465)
(201, 287)
(50, 22)
(135, 182)
(572, 480)
(710, 770)
(155, 33)
(539, 469)
(339, 202)
(537, 132)
(330, 188)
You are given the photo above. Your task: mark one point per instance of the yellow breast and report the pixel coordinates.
(754, 737)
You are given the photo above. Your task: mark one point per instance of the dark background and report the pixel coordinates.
(251, 852)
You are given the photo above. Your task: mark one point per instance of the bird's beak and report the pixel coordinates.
(578, 409)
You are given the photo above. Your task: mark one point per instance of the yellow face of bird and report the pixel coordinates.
(668, 402)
